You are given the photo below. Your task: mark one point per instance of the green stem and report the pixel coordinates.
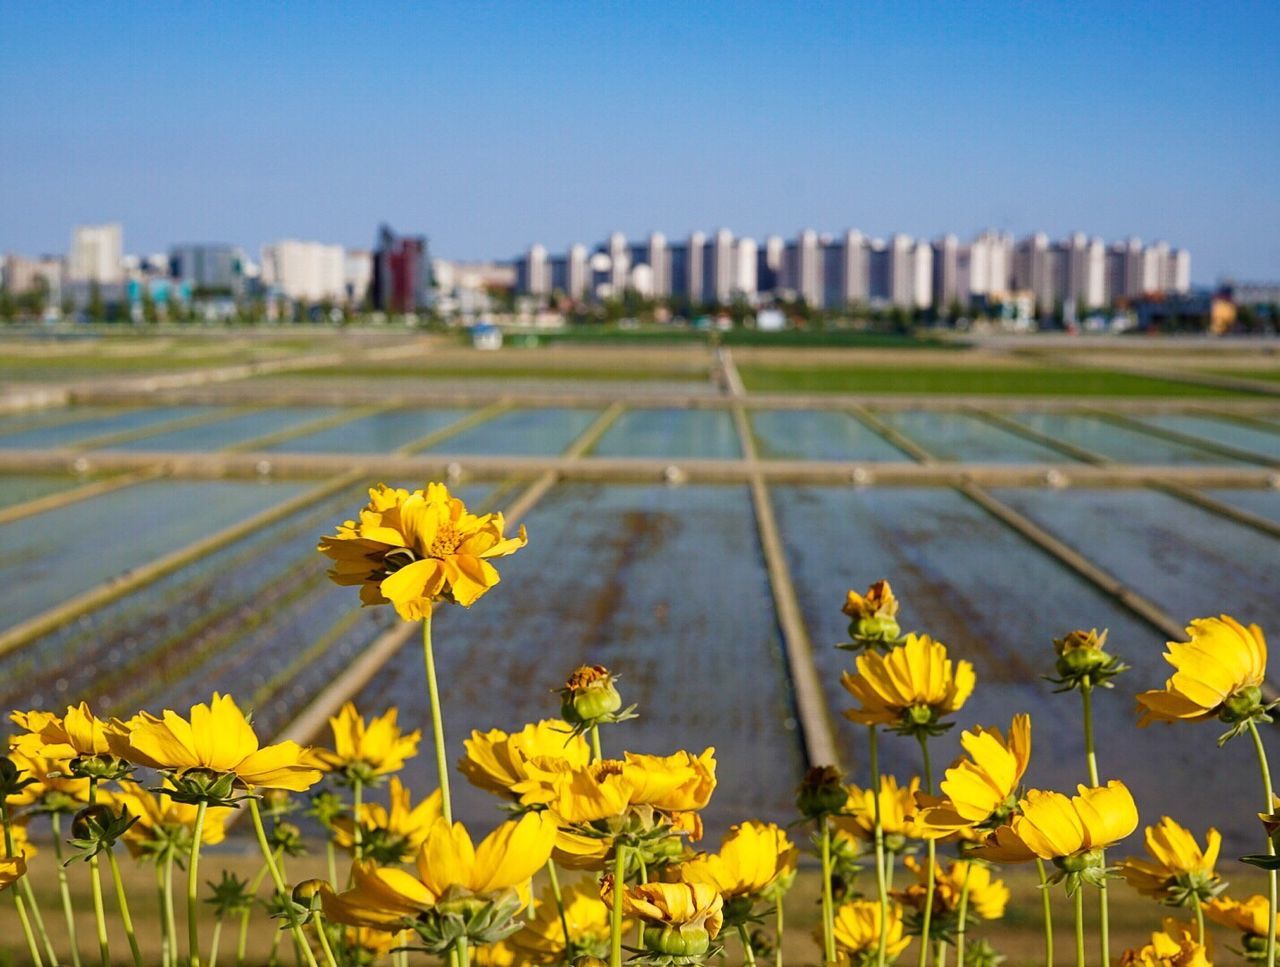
(748, 955)
(122, 899)
(30, 895)
(882, 890)
(95, 884)
(778, 925)
(256, 815)
(1271, 846)
(215, 943)
(193, 888)
(828, 905)
(1091, 757)
(32, 947)
(1199, 923)
(64, 890)
(596, 754)
(890, 867)
(559, 898)
(615, 913)
(963, 911)
(932, 850)
(437, 720)
(464, 952)
(165, 936)
(331, 855)
(170, 915)
(357, 834)
(318, 922)
(940, 953)
(1048, 913)
(644, 878)
(243, 942)
(1079, 927)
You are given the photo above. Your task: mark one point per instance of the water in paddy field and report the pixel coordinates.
(666, 587)
(998, 601)
(377, 433)
(671, 433)
(533, 432)
(97, 423)
(50, 557)
(31, 419)
(958, 436)
(1114, 441)
(1264, 503)
(234, 429)
(1225, 431)
(19, 489)
(819, 435)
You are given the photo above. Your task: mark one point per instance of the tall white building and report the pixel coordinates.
(305, 271)
(660, 263)
(357, 274)
(946, 271)
(855, 283)
(694, 258)
(806, 268)
(745, 259)
(922, 281)
(1033, 269)
(902, 271)
(619, 263)
(97, 254)
(578, 274)
(719, 268)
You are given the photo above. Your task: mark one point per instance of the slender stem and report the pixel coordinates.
(32, 947)
(357, 834)
(437, 720)
(559, 898)
(882, 890)
(778, 921)
(1199, 923)
(748, 955)
(615, 913)
(1080, 927)
(166, 940)
(256, 815)
(64, 890)
(243, 942)
(95, 883)
(464, 952)
(828, 905)
(331, 855)
(1091, 757)
(170, 915)
(940, 953)
(1048, 913)
(932, 848)
(962, 911)
(1271, 846)
(193, 888)
(890, 867)
(215, 943)
(644, 878)
(317, 921)
(122, 899)
(596, 754)
(30, 896)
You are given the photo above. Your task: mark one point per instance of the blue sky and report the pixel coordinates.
(491, 125)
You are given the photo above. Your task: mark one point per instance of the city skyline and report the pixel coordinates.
(244, 123)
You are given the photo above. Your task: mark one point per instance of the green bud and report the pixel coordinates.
(920, 715)
(821, 792)
(307, 893)
(689, 940)
(1243, 705)
(875, 629)
(89, 820)
(102, 767)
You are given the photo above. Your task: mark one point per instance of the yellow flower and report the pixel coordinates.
(1248, 916)
(391, 835)
(77, 733)
(1174, 946)
(497, 761)
(987, 895)
(12, 869)
(857, 929)
(1052, 826)
(912, 686)
(23, 848)
(878, 602)
(681, 919)
(367, 750)
(500, 954)
(412, 549)
(1218, 672)
(1178, 871)
(55, 792)
(982, 788)
(447, 862)
(218, 738)
(899, 818)
(542, 940)
(376, 942)
(162, 821)
(751, 859)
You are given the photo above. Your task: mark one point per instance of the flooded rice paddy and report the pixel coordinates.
(666, 584)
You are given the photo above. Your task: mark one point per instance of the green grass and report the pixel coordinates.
(1031, 381)
(1271, 375)
(745, 337)
(561, 373)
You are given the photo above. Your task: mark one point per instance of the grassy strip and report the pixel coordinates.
(994, 381)
(1270, 375)
(563, 373)
(746, 337)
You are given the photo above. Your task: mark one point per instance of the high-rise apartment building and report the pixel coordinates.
(97, 254)
(401, 272)
(305, 271)
(211, 268)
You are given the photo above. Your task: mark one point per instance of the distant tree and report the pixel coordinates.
(149, 314)
(954, 311)
(8, 306)
(97, 311)
(1247, 318)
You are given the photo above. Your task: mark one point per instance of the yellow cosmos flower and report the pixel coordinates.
(899, 817)
(370, 749)
(497, 762)
(1248, 916)
(218, 738)
(751, 859)
(12, 869)
(162, 821)
(394, 834)
(857, 929)
(681, 919)
(1174, 946)
(448, 862)
(1052, 826)
(412, 549)
(542, 940)
(987, 895)
(1178, 871)
(1218, 672)
(51, 791)
(982, 788)
(911, 687)
(77, 733)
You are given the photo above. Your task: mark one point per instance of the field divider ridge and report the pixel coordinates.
(892, 435)
(1222, 509)
(65, 498)
(1186, 439)
(116, 587)
(1011, 425)
(216, 414)
(1247, 419)
(348, 415)
(482, 415)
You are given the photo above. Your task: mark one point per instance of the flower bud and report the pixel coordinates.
(821, 792)
(586, 960)
(1084, 661)
(688, 940)
(1242, 705)
(89, 821)
(589, 696)
(307, 893)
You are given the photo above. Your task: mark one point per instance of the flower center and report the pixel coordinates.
(446, 541)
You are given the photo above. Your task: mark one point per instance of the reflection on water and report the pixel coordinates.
(958, 436)
(671, 433)
(233, 430)
(100, 422)
(377, 433)
(21, 488)
(1225, 431)
(1115, 441)
(818, 435)
(537, 432)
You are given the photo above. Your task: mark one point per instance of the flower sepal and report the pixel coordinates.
(104, 767)
(231, 896)
(196, 786)
(1243, 708)
(96, 828)
(676, 946)
(1191, 889)
(1079, 869)
(821, 793)
(920, 720)
(590, 697)
(480, 918)
(1083, 662)
(12, 779)
(1263, 861)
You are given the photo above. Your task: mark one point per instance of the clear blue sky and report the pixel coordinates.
(489, 126)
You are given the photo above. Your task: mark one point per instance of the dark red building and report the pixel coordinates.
(401, 272)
